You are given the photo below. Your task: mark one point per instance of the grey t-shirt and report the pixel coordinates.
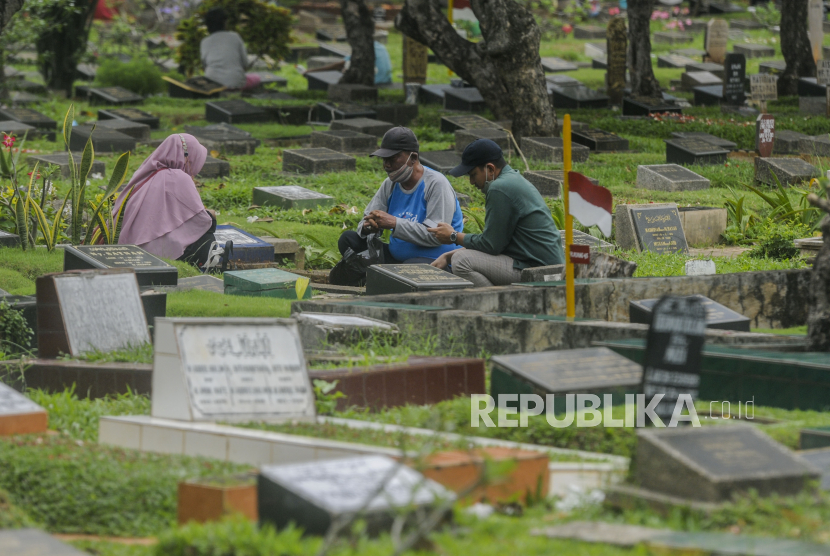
(224, 58)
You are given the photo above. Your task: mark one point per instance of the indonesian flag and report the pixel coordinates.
(589, 203)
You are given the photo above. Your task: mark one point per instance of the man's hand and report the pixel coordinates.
(370, 226)
(444, 260)
(442, 232)
(382, 220)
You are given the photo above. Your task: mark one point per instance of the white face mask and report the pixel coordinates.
(402, 174)
(486, 181)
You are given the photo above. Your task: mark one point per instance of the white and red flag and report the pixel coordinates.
(589, 203)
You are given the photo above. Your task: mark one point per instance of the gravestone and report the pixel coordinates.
(328, 112)
(816, 146)
(103, 140)
(31, 542)
(809, 87)
(21, 130)
(291, 197)
(670, 177)
(85, 72)
(554, 65)
(464, 99)
(786, 141)
(321, 80)
(113, 95)
(673, 352)
(718, 70)
(316, 161)
(80, 312)
(589, 32)
(693, 151)
(265, 282)
(714, 464)
(197, 364)
(674, 61)
(352, 92)
(577, 97)
(432, 94)
(149, 270)
(9, 240)
(754, 50)
(138, 131)
(233, 112)
(699, 267)
(316, 62)
(464, 137)
(763, 87)
(708, 137)
(415, 61)
(19, 414)
(599, 141)
(689, 52)
(440, 161)
(815, 25)
(451, 124)
(199, 87)
(405, 278)
(29, 117)
(672, 37)
(717, 316)
(692, 79)
(820, 459)
(396, 113)
(645, 106)
(652, 227)
(214, 168)
(316, 495)
(596, 51)
(788, 171)
(596, 370)
(344, 141)
(733, 84)
(331, 33)
(708, 96)
(129, 114)
(717, 33)
(772, 67)
(224, 139)
(247, 248)
(764, 134)
(599, 63)
(823, 72)
(617, 44)
(563, 80)
(551, 149)
(549, 183)
(62, 160)
(362, 125)
(341, 50)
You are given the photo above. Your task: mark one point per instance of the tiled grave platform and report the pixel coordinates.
(92, 380)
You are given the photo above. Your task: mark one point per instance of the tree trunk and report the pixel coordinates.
(818, 315)
(643, 82)
(360, 30)
(7, 10)
(61, 46)
(505, 65)
(795, 46)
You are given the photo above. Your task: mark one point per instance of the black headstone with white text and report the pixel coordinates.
(658, 229)
(734, 83)
(405, 278)
(717, 316)
(149, 269)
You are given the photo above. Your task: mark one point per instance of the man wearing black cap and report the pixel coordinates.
(412, 199)
(519, 231)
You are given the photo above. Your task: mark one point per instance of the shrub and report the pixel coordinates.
(231, 537)
(139, 76)
(15, 333)
(775, 241)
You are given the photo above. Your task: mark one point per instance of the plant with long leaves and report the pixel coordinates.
(18, 205)
(783, 208)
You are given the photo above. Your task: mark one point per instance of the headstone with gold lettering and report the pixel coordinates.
(414, 61)
(405, 278)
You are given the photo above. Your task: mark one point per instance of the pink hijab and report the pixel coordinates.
(165, 213)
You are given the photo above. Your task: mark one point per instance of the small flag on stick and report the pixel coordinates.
(589, 203)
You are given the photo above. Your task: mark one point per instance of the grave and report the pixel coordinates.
(451, 124)
(316, 161)
(674, 61)
(328, 112)
(588, 32)
(596, 50)
(788, 171)
(465, 99)
(787, 142)
(818, 145)
(103, 140)
(344, 141)
(599, 141)
(291, 197)
(351, 92)
(708, 96)
(204, 282)
(83, 311)
(672, 37)
(754, 50)
(214, 168)
(138, 131)
(562, 80)
(20, 130)
(713, 464)
(396, 113)
(670, 177)
(405, 278)
(554, 65)
(247, 248)
(233, 112)
(224, 139)
(265, 282)
(708, 137)
(551, 149)
(652, 227)
(30, 117)
(644, 106)
(130, 114)
(341, 50)
(368, 126)
(690, 80)
(196, 370)
(717, 34)
(549, 183)
(814, 438)
(85, 72)
(61, 160)
(31, 542)
(317, 495)
(113, 95)
(440, 161)
(689, 52)
(199, 87)
(19, 414)
(149, 270)
(464, 137)
(316, 62)
(735, 79)
(717, 316)
(764, 134)
(596, 371)
(719, 70)
(432, 94)
(809, 87)
(9, 240)
(692, 150)
(577, 97)
(325, 331)
(772, 66)
(331, 33)
(320, 80)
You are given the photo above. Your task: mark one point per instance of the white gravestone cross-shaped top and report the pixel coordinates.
(230, 370)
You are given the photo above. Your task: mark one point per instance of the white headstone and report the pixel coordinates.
(823, 72)
(698, 267)
(815, 17)
(13, 402)
(717, 33)
(763, 86)
(230, 370)
(343, 320)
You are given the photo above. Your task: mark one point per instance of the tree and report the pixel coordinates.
(818, 316)
(795, 46)
(643, 82)
(360, 30)
(505, 65)
(8, 9)
(63, 42)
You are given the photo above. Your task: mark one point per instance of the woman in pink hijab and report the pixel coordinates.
(164, 214)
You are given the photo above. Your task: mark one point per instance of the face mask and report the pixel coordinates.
(402, 174)
(486, 181)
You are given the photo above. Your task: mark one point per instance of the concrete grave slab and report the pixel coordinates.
(754, 50)
(214, 168)
(441, 161)
(113, 95)
(104, 140)
(464, 99)
(362, 125)
(291, 197)
(670, 177)
(136, 130)
(350, 92)
(452, 123)
(787, 142)
(554, 65)
(549, 182)
(235, 111)
(344, 141)
(61, 159)
(599, 140)
(129, 114)
(788, 171)
(689, 151)
(551, 149)
(464, 137)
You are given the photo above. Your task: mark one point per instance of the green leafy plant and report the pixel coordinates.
(15, 334)
(740, 220)
(775, 241)
(767, 13)
(325, 401)
(317, 255)
(783, 208)
(140, 76)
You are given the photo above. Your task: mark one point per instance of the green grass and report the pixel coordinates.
(794, 331)
(197, 303)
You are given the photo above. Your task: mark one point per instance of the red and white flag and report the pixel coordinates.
(589, 203)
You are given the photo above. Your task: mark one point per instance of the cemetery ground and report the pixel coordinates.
(114, 499)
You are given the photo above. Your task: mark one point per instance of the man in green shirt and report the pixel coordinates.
(519, 231)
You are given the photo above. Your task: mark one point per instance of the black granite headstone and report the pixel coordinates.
(149, 269)
(233, 112)
(61, 159)
(368, 126)
(405, 278)
(711, 95)
(344, 141)
(140, 132)
(809, 87)
(195, 87)
(452, 123)
(103, 140)
(659, 230)
(320, 80)
(441, 161)
(9, 240)
(224, 137)
(549, 183)
(577, 97)
(396, 113)
(113, 95)
(693, 151)
(329, 111)
(754, 50)
(19, 130)
(432, 94)
(717, 316)
(599, 140)
(772, 66)
(131, 114)
(465, 99)
(733, 84)
(708, 137)
(637, 106)
(551, 149)
(28, 117)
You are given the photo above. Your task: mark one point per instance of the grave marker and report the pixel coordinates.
(149, 270)
(754, 50)
(29, 117)
(451, 124)
(816, 19)
(328, 112)
(673, 352)
(131, 114)
(788, 171)
(708, 137)
(708, 96)
(344, 141)
(396, 113)
(693, 151)
(433, 94)
(549, 183)
(551, 149)
(233, 112)
(19, 414)
(320, 80)
(772, 67)
(809, 87)
(195, 87)
(265, 282)
(20, 130)
(763, 87)
(717, 70)
(405, 278)
(590, 32)
(103, 140)
(692, 79)
(215, 168)
(816, 146)
(823, 72)
(368, 126)
(670, 177)
(464, 137)
(599, 140)
(352, 92)
(113, 95)
(224, 138)
(577, 97)
(658, 230)
(764, 134)
(733, 85)
(617, 44)
(699, 267)
(316, 495)
(786, 142)
(440, 161)
(674, 61)
(316, 161)
(205, 282)
(79, 312)
(31, 542)
(415, 58)
(62, 160)
(717, 33)
(645, 106)
(9, 240)
(233, 370)
(672, 37)
(717, 316)
(138, 131)
(247, 248)
(464, 99)
(554, 65)
(291, 197)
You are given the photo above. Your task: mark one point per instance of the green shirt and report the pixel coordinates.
(517, 223)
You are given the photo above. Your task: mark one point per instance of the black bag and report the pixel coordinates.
(351, 270)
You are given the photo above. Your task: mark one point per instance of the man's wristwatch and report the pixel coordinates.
(453, 237)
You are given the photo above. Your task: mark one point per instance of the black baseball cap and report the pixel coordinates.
(396, 140)
(478, 153)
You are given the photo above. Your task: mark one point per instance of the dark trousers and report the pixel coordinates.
(197, 252)
(350, 239)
